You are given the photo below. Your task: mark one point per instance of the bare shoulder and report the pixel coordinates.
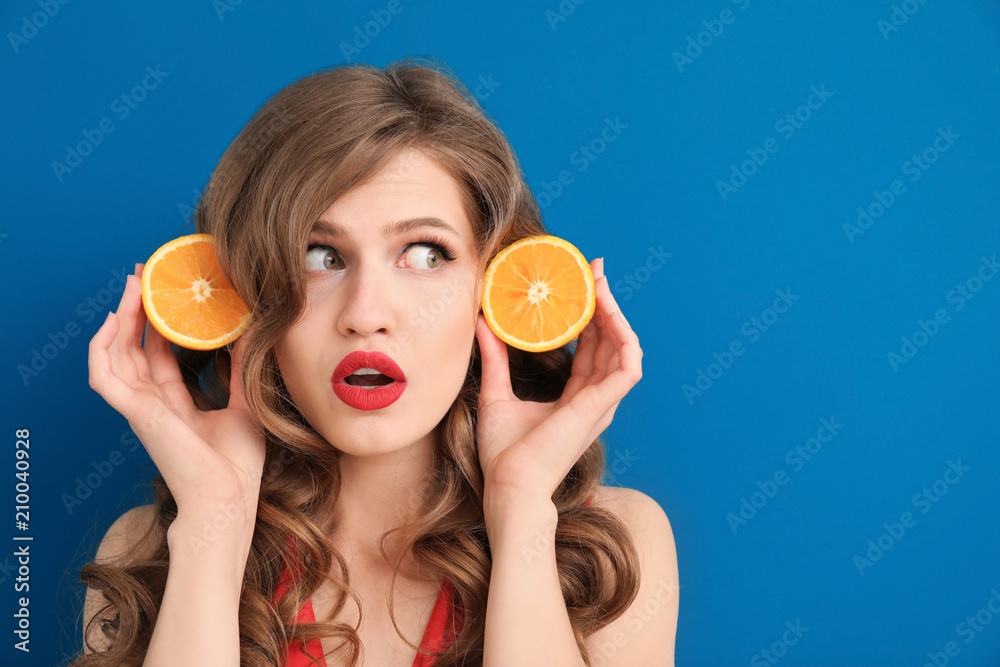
(125, 533)
(630, 504)
(648, 525)
(645, 633)
(121, 538)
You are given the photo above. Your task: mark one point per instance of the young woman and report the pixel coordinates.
(369, 454)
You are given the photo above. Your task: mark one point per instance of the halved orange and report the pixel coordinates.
(539, 293)
(187, 297)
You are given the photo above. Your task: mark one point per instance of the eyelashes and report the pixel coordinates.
(437, 244)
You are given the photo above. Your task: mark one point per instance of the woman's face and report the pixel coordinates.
(409, 291)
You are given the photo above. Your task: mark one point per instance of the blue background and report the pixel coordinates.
(685, 125)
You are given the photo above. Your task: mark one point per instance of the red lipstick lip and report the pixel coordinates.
(380, 361)
(368, 398)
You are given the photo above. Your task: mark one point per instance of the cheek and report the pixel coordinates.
(448, 303)
(287, 353)
(449, 314)
(447, 325)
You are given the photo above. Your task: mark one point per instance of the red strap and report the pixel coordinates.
(296, 658)
(440, 632)
(446, 619)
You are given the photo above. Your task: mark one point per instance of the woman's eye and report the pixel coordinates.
(424, 256)
(418, 256)
(321, 258)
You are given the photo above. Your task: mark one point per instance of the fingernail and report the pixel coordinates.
(137, 269)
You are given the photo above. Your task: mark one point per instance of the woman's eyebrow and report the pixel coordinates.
(395, 229)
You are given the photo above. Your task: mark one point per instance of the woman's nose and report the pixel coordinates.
(368, 306)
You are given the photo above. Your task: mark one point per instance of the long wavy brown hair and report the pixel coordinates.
(307, 146)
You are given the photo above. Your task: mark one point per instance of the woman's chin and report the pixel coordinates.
(378, 446)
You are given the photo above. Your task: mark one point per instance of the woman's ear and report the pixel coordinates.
(478, 294)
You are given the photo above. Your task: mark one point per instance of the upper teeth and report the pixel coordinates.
(366, 371)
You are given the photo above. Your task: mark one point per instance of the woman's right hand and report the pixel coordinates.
(205, 457)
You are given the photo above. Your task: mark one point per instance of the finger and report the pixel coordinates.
(122, 360)
(103, 379)
(591, 411)
(495, 384)
(564, 435)
(583, 355)
(141, 312)
(597, 267)
(625, 366)
(586, 344)
(160, 357)
(135, 348)
(607, 345)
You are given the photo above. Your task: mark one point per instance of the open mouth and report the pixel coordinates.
(368, 377)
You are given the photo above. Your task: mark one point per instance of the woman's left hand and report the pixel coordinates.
(528, 447)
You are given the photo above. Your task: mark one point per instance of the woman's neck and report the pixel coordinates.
(379, 493)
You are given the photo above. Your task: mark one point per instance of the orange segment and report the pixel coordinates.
(538, 293)
(188, 299)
